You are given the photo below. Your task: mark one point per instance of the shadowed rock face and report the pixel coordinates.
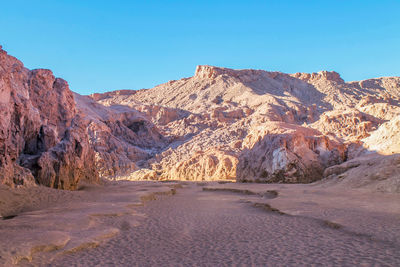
(254, 125)
(42, 139)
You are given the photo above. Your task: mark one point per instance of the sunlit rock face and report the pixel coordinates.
(42, 138)
(244, 125)
(386, 139)
(254, 125)
(123, 138)
(289, 154)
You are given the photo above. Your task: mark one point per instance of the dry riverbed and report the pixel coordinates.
(201, 224)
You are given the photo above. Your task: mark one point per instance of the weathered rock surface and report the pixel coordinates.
(373, 172)
(254, 125)
(376, 170)
(123, 139)
(290, 154)
(42, 138)
(386, 139)
(248, 125)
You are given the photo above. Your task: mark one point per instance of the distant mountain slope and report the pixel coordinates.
(254, 125)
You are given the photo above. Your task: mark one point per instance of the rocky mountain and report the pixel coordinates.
(244, 125)
(254, 125)
(43, 139)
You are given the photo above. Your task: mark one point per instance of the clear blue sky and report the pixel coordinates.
(100, 46)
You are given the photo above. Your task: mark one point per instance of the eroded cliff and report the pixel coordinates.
(42, 137)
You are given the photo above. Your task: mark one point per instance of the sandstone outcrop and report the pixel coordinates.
(42, 138)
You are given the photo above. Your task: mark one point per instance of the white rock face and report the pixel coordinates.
(386, 139)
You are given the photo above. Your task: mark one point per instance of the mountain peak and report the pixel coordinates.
(206, 71)
(210, 72)
(326, 75)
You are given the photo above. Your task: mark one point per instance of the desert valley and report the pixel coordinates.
(228, 167)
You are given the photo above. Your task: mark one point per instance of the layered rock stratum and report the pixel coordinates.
(244, 125)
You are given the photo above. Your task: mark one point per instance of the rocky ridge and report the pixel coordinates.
(254, 125)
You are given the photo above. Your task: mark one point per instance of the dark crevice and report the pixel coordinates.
(9, 217)
(138, 126)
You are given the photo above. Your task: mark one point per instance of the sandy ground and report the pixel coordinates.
(40, 223)
(210, 224)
